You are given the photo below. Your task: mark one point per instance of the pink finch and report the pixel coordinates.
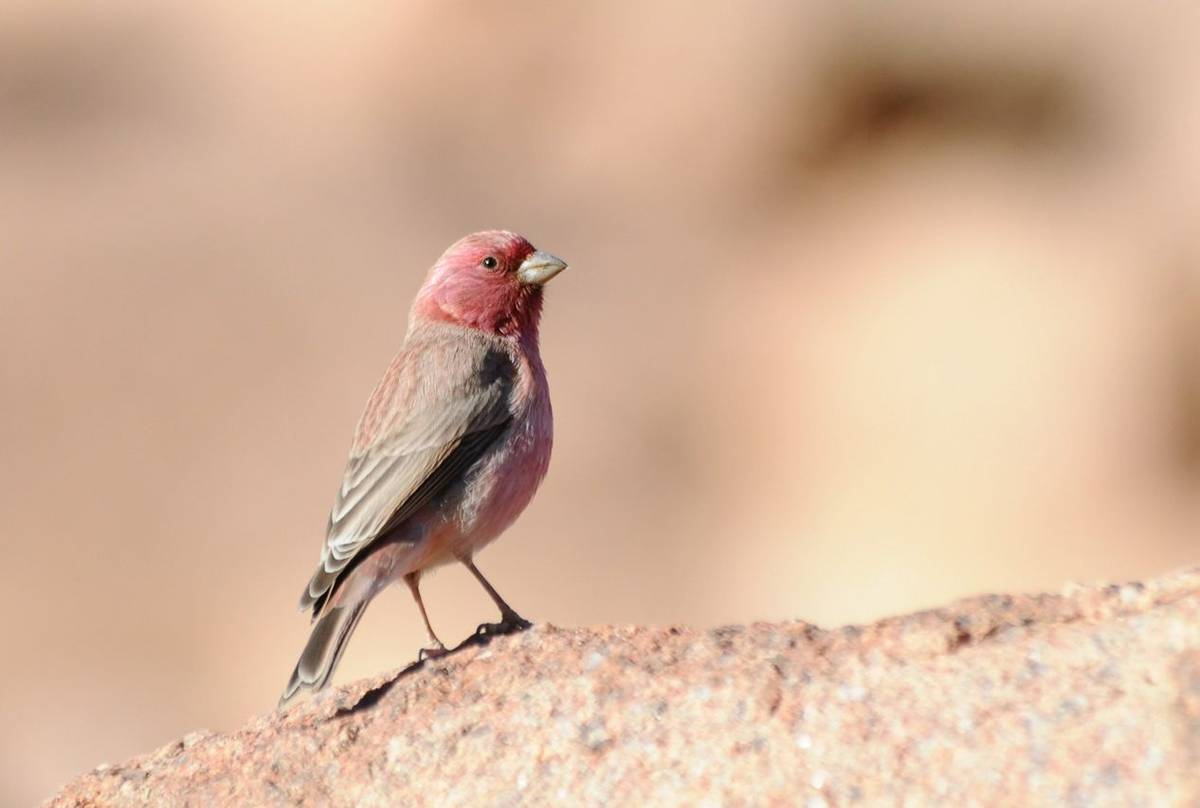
(450, 449)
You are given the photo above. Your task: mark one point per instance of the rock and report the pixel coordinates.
(1091, 698)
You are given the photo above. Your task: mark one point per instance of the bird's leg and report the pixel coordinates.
(510, 621)
(435, 648)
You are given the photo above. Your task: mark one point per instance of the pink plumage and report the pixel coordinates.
(451, 447)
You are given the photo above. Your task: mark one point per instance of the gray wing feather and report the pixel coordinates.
(448, 425)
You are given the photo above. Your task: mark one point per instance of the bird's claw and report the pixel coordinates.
(509, 624)
(431, 652)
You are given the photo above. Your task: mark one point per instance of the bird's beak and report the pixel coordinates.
(540, 267)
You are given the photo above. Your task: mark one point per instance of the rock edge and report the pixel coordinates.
(1091, 696)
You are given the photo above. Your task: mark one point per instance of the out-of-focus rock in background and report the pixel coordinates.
(870, 307)
(1092, 698)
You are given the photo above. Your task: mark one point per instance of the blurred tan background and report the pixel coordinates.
(870, 307)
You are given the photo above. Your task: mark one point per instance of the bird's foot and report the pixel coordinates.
(509, 624)
(432, 652)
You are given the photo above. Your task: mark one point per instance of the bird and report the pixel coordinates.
(449, 450)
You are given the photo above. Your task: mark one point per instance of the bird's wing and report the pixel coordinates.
(443, 401)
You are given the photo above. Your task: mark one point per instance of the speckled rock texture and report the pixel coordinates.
(1091, 697)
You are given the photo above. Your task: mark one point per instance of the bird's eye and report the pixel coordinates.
(490, 262)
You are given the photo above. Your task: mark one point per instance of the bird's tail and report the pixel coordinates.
(323, 650)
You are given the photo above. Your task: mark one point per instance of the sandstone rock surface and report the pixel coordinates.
(1091, 697)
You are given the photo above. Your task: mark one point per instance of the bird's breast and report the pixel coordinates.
(506, 478)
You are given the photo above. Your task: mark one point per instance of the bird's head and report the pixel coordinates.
(491, 281)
